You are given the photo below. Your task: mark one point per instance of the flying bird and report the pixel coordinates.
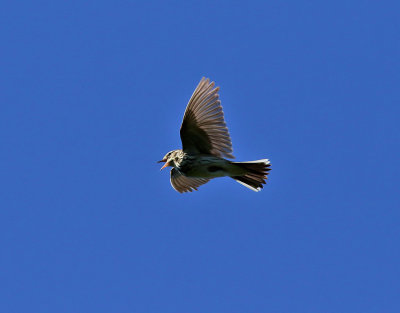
(205, 145)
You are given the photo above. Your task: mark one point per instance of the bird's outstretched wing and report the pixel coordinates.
(203, 128)
(182, 183)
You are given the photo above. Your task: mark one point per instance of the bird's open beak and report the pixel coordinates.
(164, 166)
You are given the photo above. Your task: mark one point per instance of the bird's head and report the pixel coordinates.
(169, 158)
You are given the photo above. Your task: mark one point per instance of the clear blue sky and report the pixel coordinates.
(92, 94)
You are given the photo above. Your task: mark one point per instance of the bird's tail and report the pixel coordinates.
(256, 175)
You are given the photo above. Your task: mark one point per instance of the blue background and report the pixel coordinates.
(92, 95)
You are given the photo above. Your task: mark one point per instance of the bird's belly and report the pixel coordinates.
(209, 167)
(207, 171)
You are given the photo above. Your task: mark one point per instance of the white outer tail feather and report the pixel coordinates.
(248, 186)
(265, 161)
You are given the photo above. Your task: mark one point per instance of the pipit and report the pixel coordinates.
(205, 144)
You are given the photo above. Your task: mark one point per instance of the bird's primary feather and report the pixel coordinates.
(203, 129)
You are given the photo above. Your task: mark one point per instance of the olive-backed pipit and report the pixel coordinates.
(205, 143)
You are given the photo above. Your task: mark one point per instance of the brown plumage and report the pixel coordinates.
(203, 128)
(205, 144)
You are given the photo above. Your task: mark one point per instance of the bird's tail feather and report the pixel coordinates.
(256, 175)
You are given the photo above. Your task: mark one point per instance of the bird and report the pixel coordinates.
(206, 145)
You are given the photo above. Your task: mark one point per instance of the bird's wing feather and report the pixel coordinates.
(182, 183)
(203, 128)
